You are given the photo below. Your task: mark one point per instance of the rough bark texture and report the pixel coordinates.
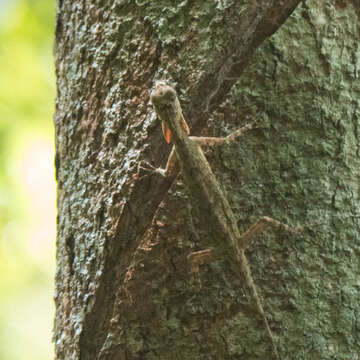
(123, 286)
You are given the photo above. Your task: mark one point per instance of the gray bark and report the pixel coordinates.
(123, 289)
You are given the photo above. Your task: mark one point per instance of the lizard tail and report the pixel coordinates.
(246, 272)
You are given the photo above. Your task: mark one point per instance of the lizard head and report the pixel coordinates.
(164, 99)
(162, 95)
(167, 106)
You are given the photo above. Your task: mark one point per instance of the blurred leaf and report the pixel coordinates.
(27, 188)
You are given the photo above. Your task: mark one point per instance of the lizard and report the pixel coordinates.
(187, 155)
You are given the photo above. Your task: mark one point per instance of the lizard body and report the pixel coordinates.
(203, 186)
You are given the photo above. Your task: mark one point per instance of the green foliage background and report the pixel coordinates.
(27, 186)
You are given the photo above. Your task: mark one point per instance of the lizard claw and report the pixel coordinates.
(147, 167)
(144, 165)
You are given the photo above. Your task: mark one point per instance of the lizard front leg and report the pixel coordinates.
(217, 141)
(172, 163)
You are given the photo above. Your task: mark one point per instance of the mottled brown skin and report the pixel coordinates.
(204, 187)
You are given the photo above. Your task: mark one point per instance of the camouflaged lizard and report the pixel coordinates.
(204, 187)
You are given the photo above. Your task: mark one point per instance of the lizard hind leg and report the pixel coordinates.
(196, 259)
(260, 226)
(244, 240)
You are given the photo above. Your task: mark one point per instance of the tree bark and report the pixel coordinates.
(123, 286)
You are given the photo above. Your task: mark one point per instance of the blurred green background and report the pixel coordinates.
(27, 185)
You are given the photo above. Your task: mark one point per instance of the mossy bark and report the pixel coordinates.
(123, 289)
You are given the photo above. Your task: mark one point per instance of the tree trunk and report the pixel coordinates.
(123, 286)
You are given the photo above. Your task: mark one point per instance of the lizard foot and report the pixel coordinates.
(147, 167)
(196, 259)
